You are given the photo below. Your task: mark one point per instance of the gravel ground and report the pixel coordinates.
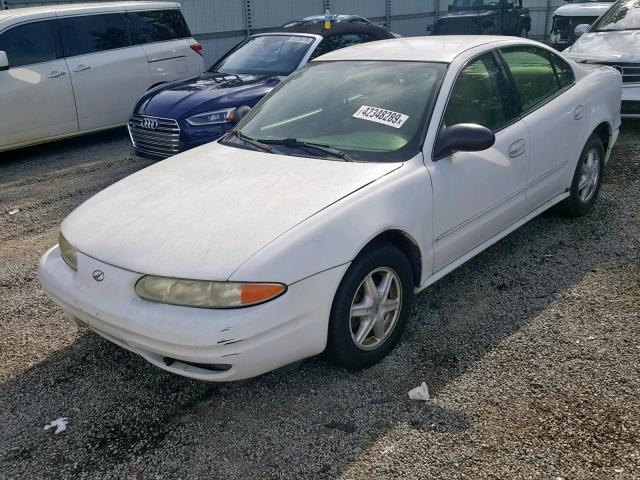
(531, 352)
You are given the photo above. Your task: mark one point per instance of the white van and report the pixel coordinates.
(71, 69)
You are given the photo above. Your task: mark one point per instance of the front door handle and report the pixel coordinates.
(517, 148)
(578, 112)
(56, 74)
(81, 68)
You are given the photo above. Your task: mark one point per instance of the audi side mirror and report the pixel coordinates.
(241, 112)
(463, 137)
(581, 29)
(4, 61)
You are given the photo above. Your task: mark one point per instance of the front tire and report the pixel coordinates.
(587, 179)
(371, 308)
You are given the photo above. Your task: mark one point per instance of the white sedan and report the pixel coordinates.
(362, 179)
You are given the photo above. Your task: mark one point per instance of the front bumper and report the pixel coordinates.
(206, 344)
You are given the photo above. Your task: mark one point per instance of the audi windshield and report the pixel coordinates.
(266, 55)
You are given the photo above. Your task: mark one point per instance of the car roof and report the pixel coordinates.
(436, 48)
(88, 7)
(336, 28)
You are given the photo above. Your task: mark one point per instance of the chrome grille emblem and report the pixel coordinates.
(149, 123)
(98, 275)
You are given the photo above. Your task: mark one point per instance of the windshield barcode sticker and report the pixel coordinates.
(380, 115)
(300, 39)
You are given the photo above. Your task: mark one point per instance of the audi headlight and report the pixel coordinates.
(206, 294)
(212, 118)
(68, 253)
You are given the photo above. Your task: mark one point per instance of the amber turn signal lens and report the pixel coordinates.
(259, 292)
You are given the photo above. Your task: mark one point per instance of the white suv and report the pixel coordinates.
(72, 69)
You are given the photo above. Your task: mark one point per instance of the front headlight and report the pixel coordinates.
(69, 254)
(206, 294)
(212, 118)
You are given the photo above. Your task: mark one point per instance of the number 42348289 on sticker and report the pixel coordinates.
(380, 115)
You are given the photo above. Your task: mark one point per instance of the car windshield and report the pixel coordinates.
(368, 110)
(623, 15)
(463, 4)
(265, 55)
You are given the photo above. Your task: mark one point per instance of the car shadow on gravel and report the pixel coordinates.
(308, 421)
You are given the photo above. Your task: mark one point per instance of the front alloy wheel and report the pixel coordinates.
(371, 307)
(375, 308)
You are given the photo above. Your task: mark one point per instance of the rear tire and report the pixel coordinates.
(587, 180)
(371, 308)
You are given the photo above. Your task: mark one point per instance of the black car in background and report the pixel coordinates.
(484, 17)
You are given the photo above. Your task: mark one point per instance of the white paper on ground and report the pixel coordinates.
(60, 425)
(419, 393)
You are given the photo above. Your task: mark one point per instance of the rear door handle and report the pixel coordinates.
(578, 112)
(517, 148)
(56, 74)
(81, 68)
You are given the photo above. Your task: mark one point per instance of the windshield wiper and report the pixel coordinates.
(293, 142)
(250, 141)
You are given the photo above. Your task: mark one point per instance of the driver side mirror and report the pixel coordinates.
(4, 61)
(581, 29)
(463, 137)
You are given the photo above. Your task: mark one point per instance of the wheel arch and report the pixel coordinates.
(406, 244)
(604, 131)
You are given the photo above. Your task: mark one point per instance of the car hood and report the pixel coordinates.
(623, 46)
(203, 213)
(208, 91)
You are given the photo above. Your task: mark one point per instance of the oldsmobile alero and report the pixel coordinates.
(362, 179)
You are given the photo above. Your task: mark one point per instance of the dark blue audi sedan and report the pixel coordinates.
(181, 115)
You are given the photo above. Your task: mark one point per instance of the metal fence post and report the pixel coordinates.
(546, 20)
(387, 14)
(436, 10)
(3, 5)
(327, 5)
(247, 17)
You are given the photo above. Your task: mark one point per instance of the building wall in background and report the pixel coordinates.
(221, 24)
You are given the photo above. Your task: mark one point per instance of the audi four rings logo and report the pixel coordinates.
(149, 123)
(98, 275)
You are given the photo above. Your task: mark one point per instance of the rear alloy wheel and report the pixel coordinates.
(587, 179)
(371, 308)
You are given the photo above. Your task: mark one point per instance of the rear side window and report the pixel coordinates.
(480, 95)
(157, 26)
(30, 43)
(533, 74)
(93, 33)
(336, 42)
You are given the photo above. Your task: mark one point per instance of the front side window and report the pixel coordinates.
(623, 15)
(533, 74)
(157, 26)
(480, 95)
(30, 43)
(266, 55)
(372, 110)
(336, 42)
(93, 33)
